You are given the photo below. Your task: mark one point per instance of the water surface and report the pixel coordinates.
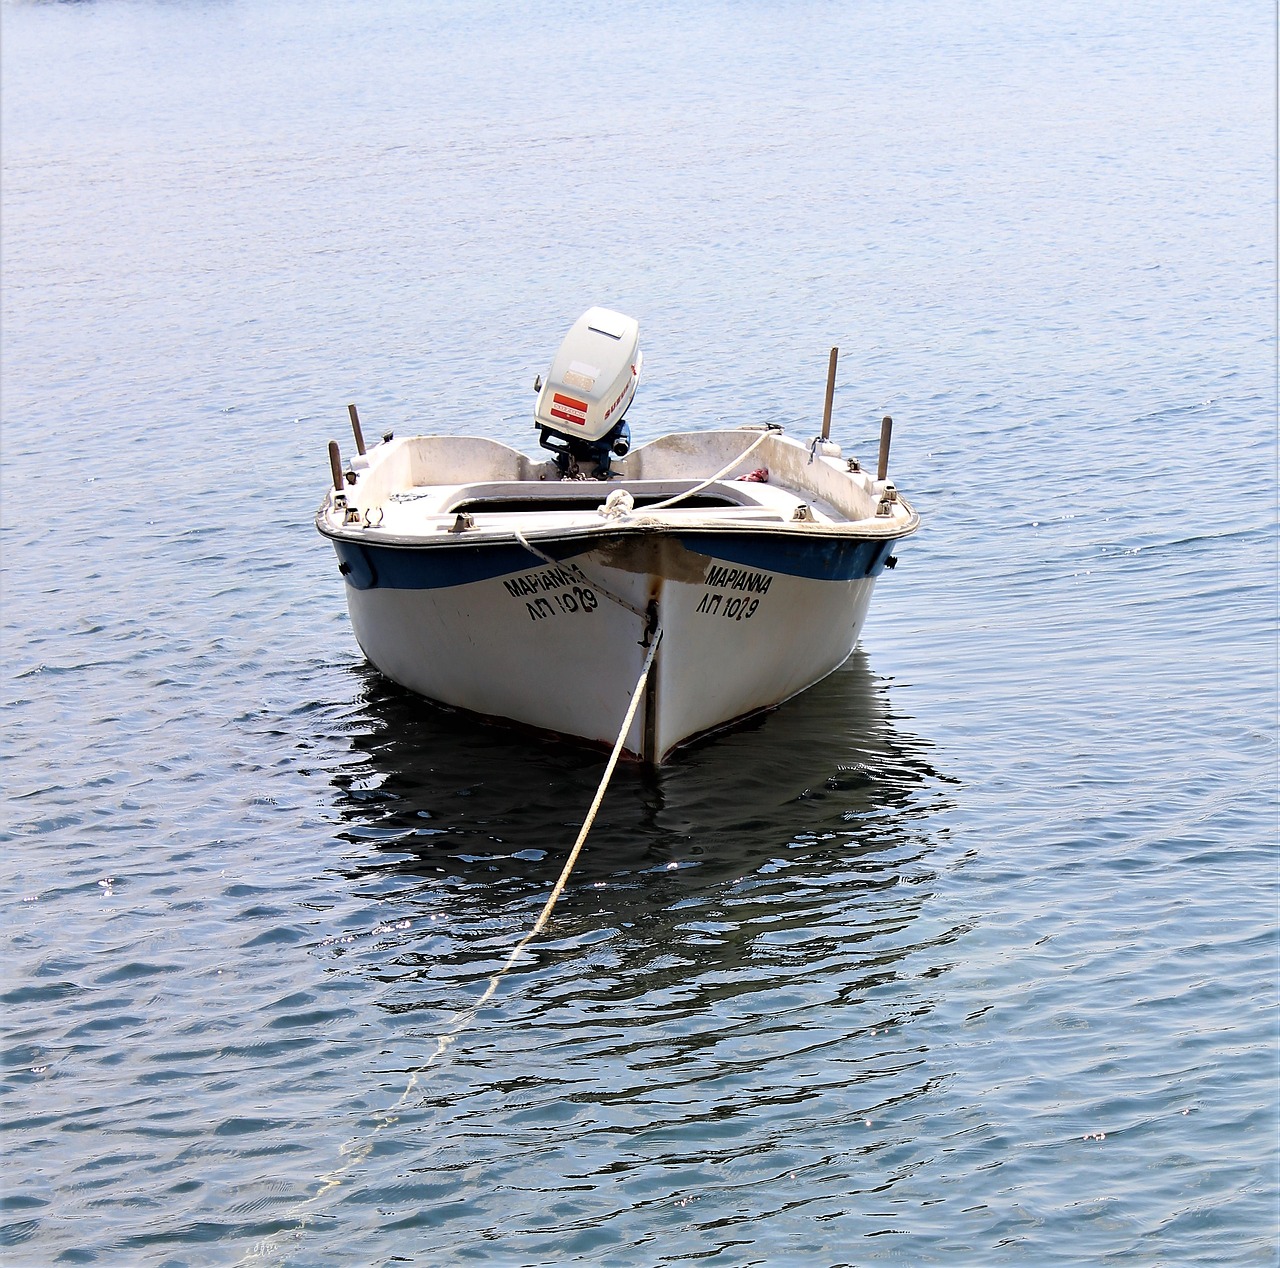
(966, 956)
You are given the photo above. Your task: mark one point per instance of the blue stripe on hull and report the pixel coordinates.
(435, 568)
(818, 558)
(368, 567)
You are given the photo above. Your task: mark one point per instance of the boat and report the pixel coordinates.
(641, 596)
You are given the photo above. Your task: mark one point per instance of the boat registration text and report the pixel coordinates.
(733, 607)
(552, 592)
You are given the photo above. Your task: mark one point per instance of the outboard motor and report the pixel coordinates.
(591, 382)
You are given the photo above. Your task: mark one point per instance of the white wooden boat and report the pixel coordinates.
(738, 562)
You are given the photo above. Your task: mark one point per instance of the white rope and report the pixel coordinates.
(719, 475)
(355, 1152)
(599, 797)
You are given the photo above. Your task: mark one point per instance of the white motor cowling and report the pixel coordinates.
(583, 402)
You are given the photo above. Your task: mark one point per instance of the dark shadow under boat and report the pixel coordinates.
(810, 826)
(434, 791)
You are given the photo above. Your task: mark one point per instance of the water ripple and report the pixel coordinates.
(968, 956)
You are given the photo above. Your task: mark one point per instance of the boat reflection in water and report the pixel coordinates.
(744, 963)
(828, 778)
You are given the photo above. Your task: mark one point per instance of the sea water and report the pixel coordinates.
(967, 956)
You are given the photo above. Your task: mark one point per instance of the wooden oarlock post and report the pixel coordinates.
(886, 434)
(335, 465)
(831, 391)
(355, 427)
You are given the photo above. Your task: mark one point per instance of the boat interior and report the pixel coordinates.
(429, 484)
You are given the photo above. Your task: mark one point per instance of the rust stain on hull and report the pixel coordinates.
(657, 555)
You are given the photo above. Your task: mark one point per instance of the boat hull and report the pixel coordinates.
(553, 634)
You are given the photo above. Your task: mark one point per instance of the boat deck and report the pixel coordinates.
(422, 487)
(572, 504)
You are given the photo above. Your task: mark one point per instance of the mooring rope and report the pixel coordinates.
(710, 480)
(355, 1152)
